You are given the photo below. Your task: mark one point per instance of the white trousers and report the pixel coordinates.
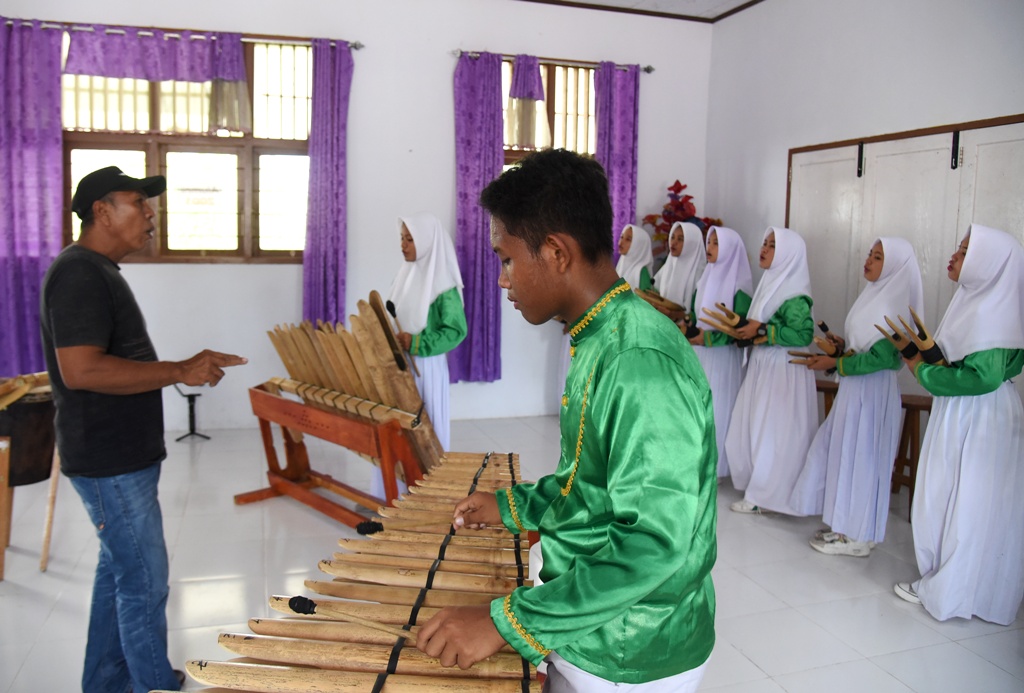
(563, 677)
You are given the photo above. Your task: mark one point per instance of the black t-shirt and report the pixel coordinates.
(86, 301)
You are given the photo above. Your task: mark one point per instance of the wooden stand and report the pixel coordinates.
(385, 441)
(904, 471)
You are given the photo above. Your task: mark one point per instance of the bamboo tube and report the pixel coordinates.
(323, 341)
(354, 352)
(338, 611)
(304, 342)
(384, 613)
(360, 657)
(488, 537)
(270, 678)
(447, 566)
(409, 503)
(454, 552)
(397, 595)
(408, 577)
(482, 485)
(303, 371)
(336, 343)
(372, 359)
(332, 631)
(329, 366)
(404, 388)
(415, 516)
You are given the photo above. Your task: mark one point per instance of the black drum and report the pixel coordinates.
(29, 424)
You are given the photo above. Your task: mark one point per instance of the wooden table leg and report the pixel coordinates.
(51, 502)
(6, 499)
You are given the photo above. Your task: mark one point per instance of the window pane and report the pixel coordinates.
(284, 184)
(185, 106)
(282, 88)
(99, 103)
(85, 161)
(202, 201)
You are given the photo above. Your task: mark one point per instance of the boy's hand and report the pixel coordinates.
(460, 635)
(477, 511)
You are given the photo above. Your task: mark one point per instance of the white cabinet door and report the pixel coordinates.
(911, 191)
(825, 208)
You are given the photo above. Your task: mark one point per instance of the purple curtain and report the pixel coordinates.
(616, 93)
(479, 156)
(155, 55)
(526, 79)
(31, 184)
(324, 257)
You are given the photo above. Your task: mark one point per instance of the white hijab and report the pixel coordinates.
(897, 288)
(636, 258)
(726, 275)
(677, 278)
(434, 271)
(787, 277)
(987, 310)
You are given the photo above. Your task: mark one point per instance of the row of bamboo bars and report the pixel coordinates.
(360, 371)
(351, 638)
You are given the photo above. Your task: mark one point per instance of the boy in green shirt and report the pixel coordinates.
(627, 521)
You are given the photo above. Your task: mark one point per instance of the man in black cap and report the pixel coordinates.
(110, 432)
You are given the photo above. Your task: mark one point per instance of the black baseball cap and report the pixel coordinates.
(107, 180)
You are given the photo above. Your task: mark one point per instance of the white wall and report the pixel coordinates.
(792, 73)
(401, 160)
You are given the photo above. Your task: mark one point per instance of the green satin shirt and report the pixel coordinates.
(792, 324)
(882, 356)
(976, 374)
(446, 326)
(627, 521)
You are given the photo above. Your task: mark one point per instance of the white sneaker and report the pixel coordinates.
(836, 544)
(745, 506)
(905, 591)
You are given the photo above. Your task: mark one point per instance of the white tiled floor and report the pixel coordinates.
(789, 619)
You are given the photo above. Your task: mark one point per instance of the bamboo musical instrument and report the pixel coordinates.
(358, 633)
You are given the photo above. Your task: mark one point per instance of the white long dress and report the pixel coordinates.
(968, 514)
(776, 413)
(721, 282)
(769, 436)
(846, 478)
(724, 369)
(849, 469)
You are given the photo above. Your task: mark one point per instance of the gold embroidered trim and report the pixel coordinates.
(530, 640)
(512, 509)
(624, 286)
(579, 439)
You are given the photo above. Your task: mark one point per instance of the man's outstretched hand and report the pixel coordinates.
(207, 367)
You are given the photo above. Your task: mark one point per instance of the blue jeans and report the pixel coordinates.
(127, 646)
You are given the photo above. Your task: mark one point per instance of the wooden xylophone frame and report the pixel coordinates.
(384, 441)
(406, 575)
(356, 391)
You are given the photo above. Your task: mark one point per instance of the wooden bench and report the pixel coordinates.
(904, 471)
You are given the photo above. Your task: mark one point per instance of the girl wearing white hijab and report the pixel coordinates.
(677, 278)
(726, 280)
(427, 294)
(968, 516)
(848, 472)
(776, 411)
(635, 258)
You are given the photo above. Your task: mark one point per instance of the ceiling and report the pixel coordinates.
(695, 10)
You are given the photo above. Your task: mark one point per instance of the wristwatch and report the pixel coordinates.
(762, 330)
